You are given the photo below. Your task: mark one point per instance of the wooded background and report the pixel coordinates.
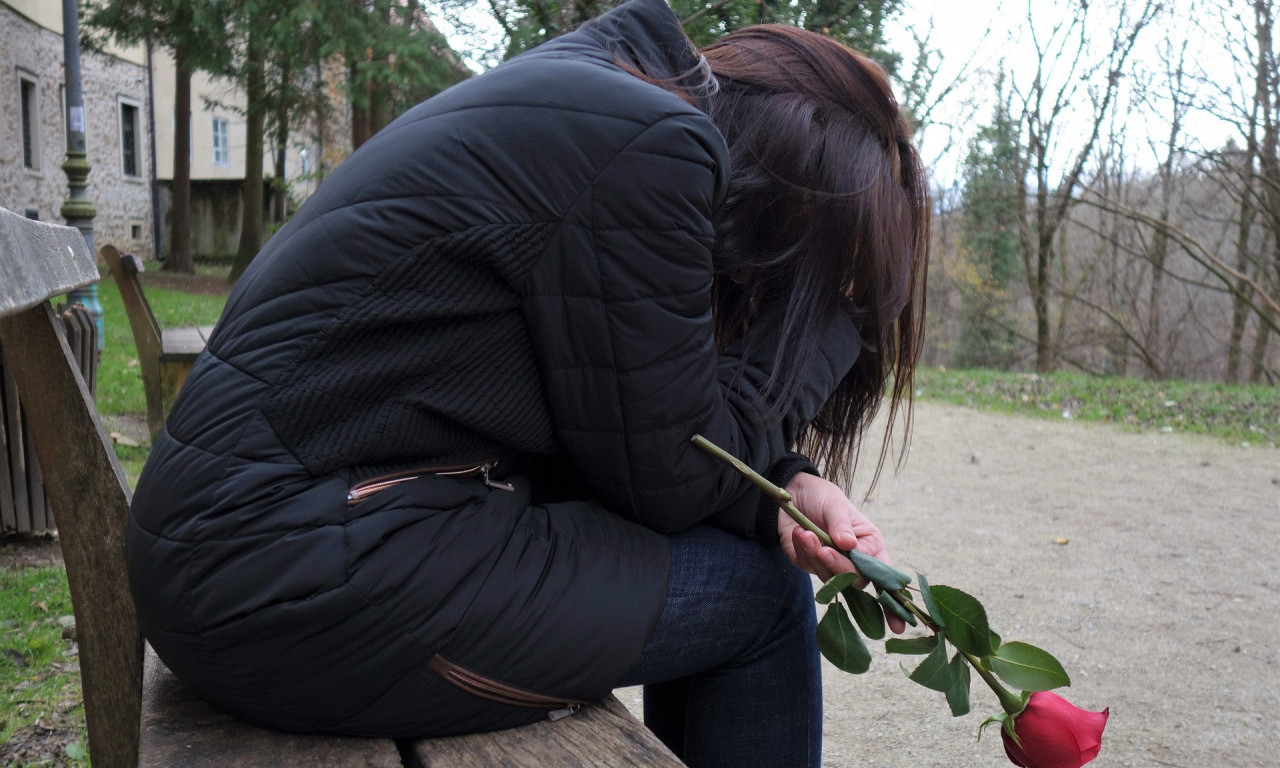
(1091, 224)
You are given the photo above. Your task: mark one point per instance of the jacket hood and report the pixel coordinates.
(647, 35)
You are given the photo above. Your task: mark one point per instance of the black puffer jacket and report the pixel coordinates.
(445, 418)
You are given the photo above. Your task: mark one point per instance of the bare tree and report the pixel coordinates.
(1269, 165)
(1064, 68)
(1248, 169)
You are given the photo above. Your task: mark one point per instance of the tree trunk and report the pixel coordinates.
(1046, 359)
(279, 189)
(1239, 306)
(1160, 240)
(1269, 164)
(180, 258)
(255, 124)
(1258, 356)
(361, 116)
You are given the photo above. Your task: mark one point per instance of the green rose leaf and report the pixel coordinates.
(834, 586)
(934, 673)
(914, 646)
(884, 576)
(889, 602)
(958, 693)
(866, 612)
(965, 619)
(1027, 667)
(929, 605)
(839, 642)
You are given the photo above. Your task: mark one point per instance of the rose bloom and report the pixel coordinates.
(1054, 733)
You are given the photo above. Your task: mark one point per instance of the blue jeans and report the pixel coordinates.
(731, 672)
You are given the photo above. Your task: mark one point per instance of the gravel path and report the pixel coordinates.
(1162, 604)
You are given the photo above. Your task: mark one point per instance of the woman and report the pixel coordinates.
(434, 475)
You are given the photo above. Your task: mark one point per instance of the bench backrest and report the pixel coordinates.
(146, 331)
(83, 479)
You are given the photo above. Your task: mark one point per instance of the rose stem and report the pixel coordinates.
(781, 494)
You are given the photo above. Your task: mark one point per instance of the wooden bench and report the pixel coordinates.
(165, 355)
(150, 718)
(23, 506)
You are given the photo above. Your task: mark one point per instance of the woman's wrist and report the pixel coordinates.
(780, 474)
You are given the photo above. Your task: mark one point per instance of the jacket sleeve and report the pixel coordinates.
(620, 313)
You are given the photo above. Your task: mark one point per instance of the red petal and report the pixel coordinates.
(1055, 734)
(1089, 736)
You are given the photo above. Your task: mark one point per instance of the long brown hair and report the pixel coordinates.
(828, 204)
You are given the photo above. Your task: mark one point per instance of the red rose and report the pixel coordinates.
(1054, 733)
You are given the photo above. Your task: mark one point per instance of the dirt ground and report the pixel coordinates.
(1162, 605)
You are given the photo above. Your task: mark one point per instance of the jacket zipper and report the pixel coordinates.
(366, 488)
(485, 688)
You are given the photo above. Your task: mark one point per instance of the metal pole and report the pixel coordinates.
(151, 136)
(78, 210)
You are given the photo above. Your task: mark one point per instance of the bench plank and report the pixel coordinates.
(180, 730)
(603, 735)
(8, 507)
(14, 456)
(146, 332)
(183, 344)
(40, 261)
(165, 356)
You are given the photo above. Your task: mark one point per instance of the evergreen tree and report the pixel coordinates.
(857, 23)
(990, 243)
(394, 58)
(194, 31)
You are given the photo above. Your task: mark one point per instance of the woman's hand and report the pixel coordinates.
(826, 504)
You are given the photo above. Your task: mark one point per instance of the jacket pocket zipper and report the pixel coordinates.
(366, 488)
(478, 685)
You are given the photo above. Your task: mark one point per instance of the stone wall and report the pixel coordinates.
(123, 202)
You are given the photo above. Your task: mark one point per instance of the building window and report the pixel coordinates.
(304, 161)
(130, 139)
(221, 151)
(29, 107)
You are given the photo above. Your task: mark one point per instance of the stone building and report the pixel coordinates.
(131, 159)
(121, 90)
(33, 138)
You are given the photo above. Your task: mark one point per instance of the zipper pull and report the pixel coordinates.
(560, 714)
(498, 484)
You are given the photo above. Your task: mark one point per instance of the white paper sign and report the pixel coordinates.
(77, 119)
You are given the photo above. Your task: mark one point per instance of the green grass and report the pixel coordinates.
(119, 378)
(1237, 414)
(41, 714)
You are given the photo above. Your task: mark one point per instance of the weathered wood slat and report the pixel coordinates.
(179, 730)
(165, 356)
(146, 332)
(35, 482)
(82, 338)
(8, 511)
(604, 735)
(39, 261)
(182, 344)
(88, 492)
(17, 450)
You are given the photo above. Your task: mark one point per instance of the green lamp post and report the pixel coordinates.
(78, 210)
